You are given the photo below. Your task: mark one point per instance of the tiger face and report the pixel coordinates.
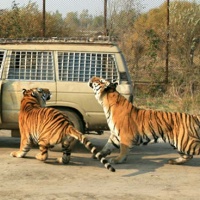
(41, 94)
(101, 86)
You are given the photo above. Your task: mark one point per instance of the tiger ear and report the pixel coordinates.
(23, 91)
(39, 89)
(34, 92)
(115, 84)
(106, 83)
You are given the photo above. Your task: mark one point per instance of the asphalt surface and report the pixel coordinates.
(146, 174)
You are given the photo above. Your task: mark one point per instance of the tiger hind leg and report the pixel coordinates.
(180, 160)
(67, 146)
(43, 155)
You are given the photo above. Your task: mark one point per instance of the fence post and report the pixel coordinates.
(167, 47)
(43, 20)
(105, 18)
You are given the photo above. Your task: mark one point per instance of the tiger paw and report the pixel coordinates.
(117, 160)
(41, 157)
(180, 160)
(63, 160)
(66, 159)
(13, 154)
(113, 161)
(17, 154)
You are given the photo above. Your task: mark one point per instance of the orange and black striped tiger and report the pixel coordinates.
(47, 127)
(132, 126)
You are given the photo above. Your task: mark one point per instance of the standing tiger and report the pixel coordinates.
(47, 127)
(132, 126)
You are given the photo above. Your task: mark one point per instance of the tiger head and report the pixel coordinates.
(101, 86)
(40, 94)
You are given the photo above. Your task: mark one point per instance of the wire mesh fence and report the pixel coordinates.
(160, 39)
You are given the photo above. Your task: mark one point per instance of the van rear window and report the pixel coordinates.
(82, 66)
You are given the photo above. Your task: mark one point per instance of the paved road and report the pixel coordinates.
(146, 175)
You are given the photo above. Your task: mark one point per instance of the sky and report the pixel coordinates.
(95, 7)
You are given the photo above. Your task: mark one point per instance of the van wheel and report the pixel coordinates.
(78, 124)
(75, 118)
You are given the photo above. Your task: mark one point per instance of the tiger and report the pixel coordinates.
(131, 126)
(47, 127)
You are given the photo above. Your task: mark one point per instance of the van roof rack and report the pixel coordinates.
(99, 39)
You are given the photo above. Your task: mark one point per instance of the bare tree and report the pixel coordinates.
(122, 15)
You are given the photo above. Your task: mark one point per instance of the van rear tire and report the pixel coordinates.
(78, 124)
(75, 118)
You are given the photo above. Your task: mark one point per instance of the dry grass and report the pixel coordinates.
(169, 101)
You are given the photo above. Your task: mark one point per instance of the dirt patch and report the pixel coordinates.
(146, 175)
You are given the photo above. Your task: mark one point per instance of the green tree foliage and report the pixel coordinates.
(30, 21)
(71, 22)
(55, 25)
(21, 22)
(142, 38)
(98, 23)
(26, 21)
(146, 42)
(146, 52)
(85, 20)
(183, 34)
(121, 16)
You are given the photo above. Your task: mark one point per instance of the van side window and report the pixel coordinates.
(1, 58)
(82, 66)
(31, 65)
(2, 53)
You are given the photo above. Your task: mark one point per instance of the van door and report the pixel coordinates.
(2, 58)
(25, 70)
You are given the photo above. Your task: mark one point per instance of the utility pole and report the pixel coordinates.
(44, 19)
(167, 47)
(105, 18)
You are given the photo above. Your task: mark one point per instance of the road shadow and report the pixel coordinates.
(147, 159)
(9, 142)
(141, 160)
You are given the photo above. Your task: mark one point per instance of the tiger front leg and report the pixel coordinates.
(180, 160)
(112, 143)
(25, 146)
